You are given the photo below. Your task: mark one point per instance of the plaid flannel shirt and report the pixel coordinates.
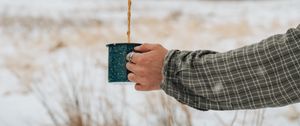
(265, 74)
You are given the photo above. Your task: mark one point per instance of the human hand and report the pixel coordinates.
(146, 67)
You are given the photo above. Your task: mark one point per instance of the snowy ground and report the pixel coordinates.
(57, 43)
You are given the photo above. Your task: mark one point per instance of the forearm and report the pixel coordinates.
(266, 74)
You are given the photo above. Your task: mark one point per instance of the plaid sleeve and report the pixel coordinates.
(265, 74)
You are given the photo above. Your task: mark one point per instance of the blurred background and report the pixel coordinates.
(53, 59)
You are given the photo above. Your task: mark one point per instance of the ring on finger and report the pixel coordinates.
(129, 57)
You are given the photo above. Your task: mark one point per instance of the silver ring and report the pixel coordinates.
(129, 56)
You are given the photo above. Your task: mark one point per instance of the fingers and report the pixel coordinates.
(139, 58)
(135, 57)
(134, 68)
(133, 78)
(146, 47)
(140, 87)
(130, 66)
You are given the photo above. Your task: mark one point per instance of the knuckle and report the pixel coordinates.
(145, 45)
(147, 60)
(142, 72)
(157, 45)
(160, 46)
(137, 60)
(144, 80)
(141, 60)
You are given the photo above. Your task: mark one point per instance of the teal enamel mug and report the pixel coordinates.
(117, 53)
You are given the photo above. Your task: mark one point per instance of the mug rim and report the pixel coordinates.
(113, 44)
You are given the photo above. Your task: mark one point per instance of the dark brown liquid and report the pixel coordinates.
(129, 21)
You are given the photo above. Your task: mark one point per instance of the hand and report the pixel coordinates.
(146, 67)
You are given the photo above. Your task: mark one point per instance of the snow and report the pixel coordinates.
(31, 52)
(19, 110)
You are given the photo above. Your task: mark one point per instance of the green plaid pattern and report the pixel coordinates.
(265, 74)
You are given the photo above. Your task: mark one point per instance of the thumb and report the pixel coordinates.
(145, 47)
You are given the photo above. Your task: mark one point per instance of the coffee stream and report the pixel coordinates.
(129, 21)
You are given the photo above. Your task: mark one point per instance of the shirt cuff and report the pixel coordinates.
(167, 65)
(169, 76)
(170, 80)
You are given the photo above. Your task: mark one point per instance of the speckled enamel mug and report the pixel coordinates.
(117, 53)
